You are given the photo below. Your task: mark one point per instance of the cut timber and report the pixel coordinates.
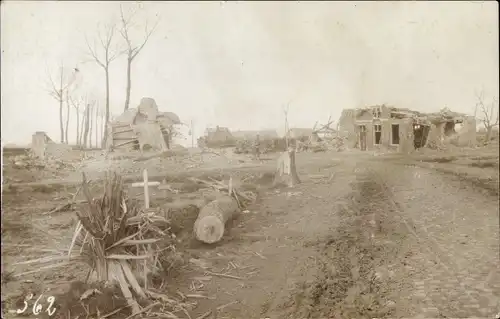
(120, 125)
(123, 131)
(125, 143)
(210, 225)
(286, 170)
(125, 138)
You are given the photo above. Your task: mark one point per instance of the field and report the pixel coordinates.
(362, 236)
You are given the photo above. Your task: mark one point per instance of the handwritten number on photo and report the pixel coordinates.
(37, 307)
(19, 311)
(51, 301)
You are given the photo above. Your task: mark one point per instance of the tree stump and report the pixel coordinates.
(286, 170)
(210, 224)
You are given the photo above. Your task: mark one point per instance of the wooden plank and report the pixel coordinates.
(141, 184)
(124, 131)
(124, 143)
(119, 125)
(124, 138)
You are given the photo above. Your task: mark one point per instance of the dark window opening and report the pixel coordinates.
(378, 134)
(420, 134)
(449, 128)
(362, 128)
(377, 112)
(395, 134)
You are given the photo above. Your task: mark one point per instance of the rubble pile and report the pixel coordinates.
(27, 168)
(245, 146)
(336, 143)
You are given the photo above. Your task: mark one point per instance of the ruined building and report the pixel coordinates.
(404, 130)
(42, 146)
(141, 126)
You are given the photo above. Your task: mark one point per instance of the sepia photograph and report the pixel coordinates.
(250, 159)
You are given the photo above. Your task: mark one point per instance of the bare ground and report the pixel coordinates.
(360, 237)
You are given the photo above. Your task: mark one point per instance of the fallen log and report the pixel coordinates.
(210, 225)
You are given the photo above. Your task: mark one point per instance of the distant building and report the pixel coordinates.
(251, 135)
(381, 126)
(300, 132)
(218, 134)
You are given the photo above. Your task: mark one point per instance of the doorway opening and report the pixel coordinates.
(395, 134)
(420, 134)
(449, 129)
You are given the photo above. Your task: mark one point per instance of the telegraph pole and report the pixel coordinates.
(192, 134)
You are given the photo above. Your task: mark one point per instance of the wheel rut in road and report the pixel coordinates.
(358, 264)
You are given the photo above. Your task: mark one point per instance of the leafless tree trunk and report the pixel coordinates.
(91, 129)
(61, 125)
(103, 125)
(102, 128)
(57, 91)
(107, 101)
(82, 126)
(96, 125)
(109, 55)
(67, 117)
(77, 127)
(132, 50)
(76, 105)
(487, 116)
(87, 131)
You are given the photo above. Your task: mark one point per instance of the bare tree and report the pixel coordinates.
(87, 117)
(76, 103)
(102, 115)
(132, 50)
(67, 117)
(82, 123)
(96, 124)
(91, 123)
(487, 116)
(57, 91)
(104, 59)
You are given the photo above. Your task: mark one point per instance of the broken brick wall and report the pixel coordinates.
(149, 133)
(369, 136)
(406, 143)
(467, 136)
(38, 143)
(436, 135)
(59, 151)
(406, 136)
(348, 128)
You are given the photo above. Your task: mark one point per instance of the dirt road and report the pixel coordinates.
(362, 239)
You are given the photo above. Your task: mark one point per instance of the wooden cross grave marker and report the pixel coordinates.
(146, 186)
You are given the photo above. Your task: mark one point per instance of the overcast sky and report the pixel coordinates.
(237, 64)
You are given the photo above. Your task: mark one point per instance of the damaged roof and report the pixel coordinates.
(444, 115)
(217, 129)
(253, 134)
